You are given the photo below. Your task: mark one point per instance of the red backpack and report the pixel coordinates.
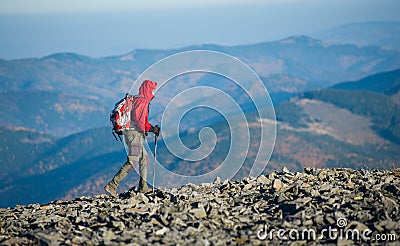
(120, 116)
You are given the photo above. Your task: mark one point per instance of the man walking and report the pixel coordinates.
(134, 137)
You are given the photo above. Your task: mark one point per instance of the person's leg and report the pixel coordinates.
(121, 174)
(137, 155)
(112, 186)
(143, 164)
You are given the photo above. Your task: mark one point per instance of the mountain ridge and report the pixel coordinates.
(374, 33)
(304, 126)
(52, 112)
(270, 51)
(385, 82)
(288, 67)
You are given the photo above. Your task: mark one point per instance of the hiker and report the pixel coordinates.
(134, 137)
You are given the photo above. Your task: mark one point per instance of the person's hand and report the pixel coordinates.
(155, 129)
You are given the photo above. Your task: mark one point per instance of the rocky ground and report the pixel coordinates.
(317, 206)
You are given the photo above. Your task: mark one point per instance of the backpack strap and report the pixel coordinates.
(115, 136)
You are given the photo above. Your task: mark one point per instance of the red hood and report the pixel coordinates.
(147, 88)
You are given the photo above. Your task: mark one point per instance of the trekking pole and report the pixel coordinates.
(155, 159)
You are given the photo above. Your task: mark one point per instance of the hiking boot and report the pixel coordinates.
(112, 191)
(145, 189)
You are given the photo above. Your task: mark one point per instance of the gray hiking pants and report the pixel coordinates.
(137, 155)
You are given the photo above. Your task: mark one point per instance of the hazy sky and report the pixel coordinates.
(36, 28)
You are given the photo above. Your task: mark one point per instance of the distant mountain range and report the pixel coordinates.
(330, 127)
(384, 34)
(387, 83)
(37, 167)
(51, 111)
(288, 66)
(337, 105)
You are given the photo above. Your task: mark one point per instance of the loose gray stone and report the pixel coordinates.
(231, 212)
(263, 180)
(217, 180)
(277, 184)
(162, 231)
